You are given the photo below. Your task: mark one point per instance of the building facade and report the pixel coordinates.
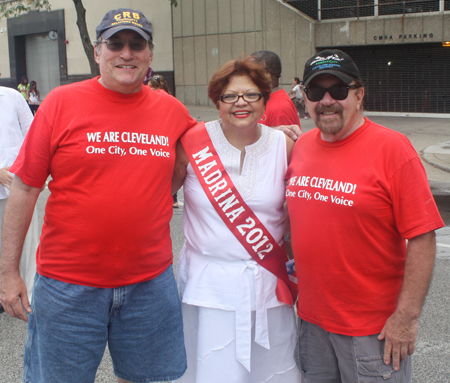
(397, 44)
(47, 48)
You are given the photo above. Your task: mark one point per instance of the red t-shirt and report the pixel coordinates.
(280, 110)
(111, 158)
(351, 204)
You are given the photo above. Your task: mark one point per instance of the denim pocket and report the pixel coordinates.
(373, 369)
(27, 365)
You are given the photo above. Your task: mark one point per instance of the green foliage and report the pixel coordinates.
(14, 8)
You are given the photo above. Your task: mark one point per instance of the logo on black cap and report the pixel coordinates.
(331, 61)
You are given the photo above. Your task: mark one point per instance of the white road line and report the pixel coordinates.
(442, 244)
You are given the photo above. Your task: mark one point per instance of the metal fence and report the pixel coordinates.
(338, 9)
(413, 78)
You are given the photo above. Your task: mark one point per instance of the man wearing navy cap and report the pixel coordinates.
(356, 191)
(104, 264)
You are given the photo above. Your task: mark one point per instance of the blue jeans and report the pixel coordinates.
(71, 324)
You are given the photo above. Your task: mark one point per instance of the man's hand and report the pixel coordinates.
(400, 334)
(6, 177)
(16, 219)
(12, 293)
(292, 131)
(400, 330)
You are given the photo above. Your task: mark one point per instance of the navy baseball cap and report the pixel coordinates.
(124, 18)
(331, 61)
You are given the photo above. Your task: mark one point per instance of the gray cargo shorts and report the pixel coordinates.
(325, 357)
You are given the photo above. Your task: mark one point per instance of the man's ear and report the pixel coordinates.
(96, 56)
(151, 59)
(360, 92)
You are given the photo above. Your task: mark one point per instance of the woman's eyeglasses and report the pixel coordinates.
(247, 97)
(337, 92)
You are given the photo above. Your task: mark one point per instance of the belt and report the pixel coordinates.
(244, 315)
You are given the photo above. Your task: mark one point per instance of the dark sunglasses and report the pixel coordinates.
(338, 92)
(118, 45)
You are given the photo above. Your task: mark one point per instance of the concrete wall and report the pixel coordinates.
(157, 11)
(411, 28)
(4, 50)
(208, 33)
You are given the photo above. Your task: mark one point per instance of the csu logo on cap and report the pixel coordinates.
(127, 15)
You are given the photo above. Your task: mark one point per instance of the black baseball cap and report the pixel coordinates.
(124, 18)
(331, 61)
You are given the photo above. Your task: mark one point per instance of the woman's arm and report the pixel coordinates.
(292, 92)
(28, 97)
(287, 225)
(289, 145)
(180, 169)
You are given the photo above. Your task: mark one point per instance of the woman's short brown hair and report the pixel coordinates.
(247, 67)
(158, 81)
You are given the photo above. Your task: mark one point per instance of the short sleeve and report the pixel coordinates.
(33, 162)
(415, 210)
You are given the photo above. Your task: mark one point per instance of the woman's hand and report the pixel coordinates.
(292, 131)
(6, 177)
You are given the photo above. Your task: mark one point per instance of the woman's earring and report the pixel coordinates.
(263, 119)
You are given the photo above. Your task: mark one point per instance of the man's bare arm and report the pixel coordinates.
(180, 169)
(400, 330)
(16, 219)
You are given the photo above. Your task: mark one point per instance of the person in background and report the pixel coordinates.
(23, 87)
(34, 97)
(157, 82)
(237, 328)
(362, 226)
(279, 110)
(16, 118)
(297, 96)
(147, 76)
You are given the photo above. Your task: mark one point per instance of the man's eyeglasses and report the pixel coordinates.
(338, 92)
(118, 45)
(247, 97)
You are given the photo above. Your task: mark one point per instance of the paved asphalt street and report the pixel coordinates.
(431, 360)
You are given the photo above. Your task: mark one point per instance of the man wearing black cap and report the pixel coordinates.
(104, 265)
(356, 192)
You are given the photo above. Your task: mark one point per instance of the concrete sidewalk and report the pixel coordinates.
(438, 155)
(429, 136)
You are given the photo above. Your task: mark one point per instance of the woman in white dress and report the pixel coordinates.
(235, 328)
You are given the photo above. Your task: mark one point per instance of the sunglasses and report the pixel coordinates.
(118, 45)
(247, 97)
(337, 92)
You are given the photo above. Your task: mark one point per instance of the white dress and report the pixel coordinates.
(236, 330)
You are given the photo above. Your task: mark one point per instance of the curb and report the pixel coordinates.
(438, 155)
